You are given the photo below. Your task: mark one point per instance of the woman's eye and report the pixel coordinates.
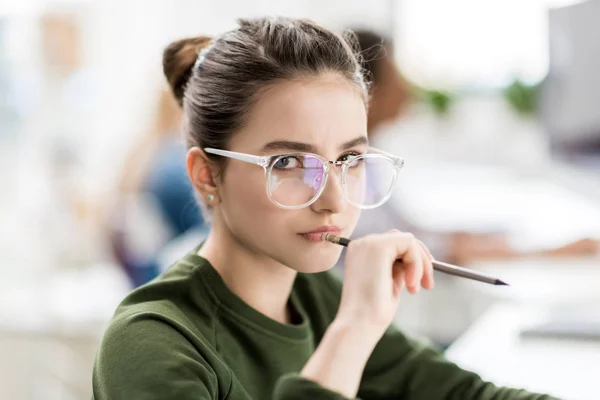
(287, 163)
(347, 157)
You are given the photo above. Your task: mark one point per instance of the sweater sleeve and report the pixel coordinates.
(403, 368)
(144, 358)
(147, 359)
(294, 387)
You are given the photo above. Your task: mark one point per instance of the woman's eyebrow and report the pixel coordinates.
(354, 142)
(288, 145)
(309, 148)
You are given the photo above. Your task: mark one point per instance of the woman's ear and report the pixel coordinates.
(202, 175)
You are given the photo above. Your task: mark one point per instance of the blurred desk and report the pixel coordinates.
(446, 312)
(579, 178)
(535, 212)
(492, 348)
(51, 323)
(540, 279)
(534, 281)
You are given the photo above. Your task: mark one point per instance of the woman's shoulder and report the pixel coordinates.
(165, 323)
(147, 340)
(175, 300)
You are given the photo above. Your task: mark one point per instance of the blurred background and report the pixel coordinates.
(493, 104)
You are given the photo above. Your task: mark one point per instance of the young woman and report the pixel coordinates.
(276, 117)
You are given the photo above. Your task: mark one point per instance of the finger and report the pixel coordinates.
(398, 243)
(431, 257)
(413, 264)
(428, 280)
(406, 247)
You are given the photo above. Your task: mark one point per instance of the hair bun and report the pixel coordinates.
(179, 59)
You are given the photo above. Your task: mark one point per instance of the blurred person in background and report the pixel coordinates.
(391, 95)
(276, 119)
(156, 197)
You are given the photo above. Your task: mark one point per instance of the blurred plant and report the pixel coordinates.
(440, 101)
(521, 97)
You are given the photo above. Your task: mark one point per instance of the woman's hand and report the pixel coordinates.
(374, 278)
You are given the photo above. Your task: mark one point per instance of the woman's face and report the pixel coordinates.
(324, 115)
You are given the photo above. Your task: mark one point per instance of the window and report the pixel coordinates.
(472, 43)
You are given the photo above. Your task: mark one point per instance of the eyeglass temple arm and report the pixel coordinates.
(399, 160)
(262, 161)
(385, 153)
(249, 158)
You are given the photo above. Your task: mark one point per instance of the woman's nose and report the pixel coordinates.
(332, 198)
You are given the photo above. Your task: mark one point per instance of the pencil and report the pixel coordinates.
(437, 265)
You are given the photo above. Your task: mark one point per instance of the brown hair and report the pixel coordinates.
(217, 94)
(374, 49)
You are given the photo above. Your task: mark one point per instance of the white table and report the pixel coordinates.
(539, 279)
(50, 328)
(534, 212)
(567, 369)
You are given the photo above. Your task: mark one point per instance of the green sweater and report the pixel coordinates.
(187, 336)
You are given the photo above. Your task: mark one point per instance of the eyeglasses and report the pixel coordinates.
(296, 180)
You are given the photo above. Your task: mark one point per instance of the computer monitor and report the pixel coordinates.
(570, 95)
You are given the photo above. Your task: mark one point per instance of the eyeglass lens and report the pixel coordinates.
(297, 180)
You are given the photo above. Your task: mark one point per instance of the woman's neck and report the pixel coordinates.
(261, 282)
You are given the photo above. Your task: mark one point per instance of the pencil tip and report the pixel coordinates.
(501, 283)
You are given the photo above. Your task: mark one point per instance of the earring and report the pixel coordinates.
(210, 198)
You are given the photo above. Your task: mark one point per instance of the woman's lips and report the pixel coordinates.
(316, 235)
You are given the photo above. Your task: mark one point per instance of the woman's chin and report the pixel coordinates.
(314, 269)
(314, 263)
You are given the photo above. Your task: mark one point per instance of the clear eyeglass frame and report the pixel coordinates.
(267, 163)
